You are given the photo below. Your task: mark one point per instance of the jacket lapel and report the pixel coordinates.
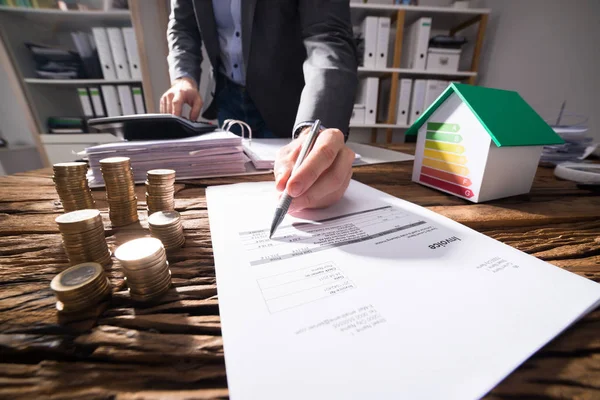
(248, 7)
(208, 29)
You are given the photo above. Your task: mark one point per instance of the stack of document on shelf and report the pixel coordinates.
(213, 154)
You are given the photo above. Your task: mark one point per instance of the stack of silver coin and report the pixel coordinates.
(146, 268)
(166, 226)
(80, 287)
(72, 186)
(120, 190)
(83, 237)
(160, 190)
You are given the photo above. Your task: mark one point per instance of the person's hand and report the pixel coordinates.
(324, 175)
(183, 91)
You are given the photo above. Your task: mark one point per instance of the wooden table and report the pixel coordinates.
(174, 347)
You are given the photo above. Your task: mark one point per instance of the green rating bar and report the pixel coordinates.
(444, 137)
(442, 127)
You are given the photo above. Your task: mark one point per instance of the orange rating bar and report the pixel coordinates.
(444, 166)
(453, 148)
(440, 155)
(446, 176)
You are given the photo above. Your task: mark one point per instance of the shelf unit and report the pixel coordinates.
(49, 97)
(449, 19)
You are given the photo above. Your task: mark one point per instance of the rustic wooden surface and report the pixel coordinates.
(174, 349)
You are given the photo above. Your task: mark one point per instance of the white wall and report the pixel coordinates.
(547, 50)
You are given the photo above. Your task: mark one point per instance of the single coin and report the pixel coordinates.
(138, 249)
(75, 277)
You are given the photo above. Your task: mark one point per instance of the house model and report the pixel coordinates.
(479, 143)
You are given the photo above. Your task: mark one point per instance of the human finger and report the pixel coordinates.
(336, 177)
(196, 107)
(284, 162)
(319, 159)
(308, 200)
(177, 103)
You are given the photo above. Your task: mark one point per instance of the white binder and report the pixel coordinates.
(433, 90)
(132, 53)
(369, 32)
(126, 100)
(111, 100)
(104, 53)
(416, 43)
(138, 100)
(367, 95)
(417, 100)
(85, 101)
(383, 39)
(97, 102)
(403, 101)
(117, 47)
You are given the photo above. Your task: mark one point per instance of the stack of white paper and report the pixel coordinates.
(213, 154)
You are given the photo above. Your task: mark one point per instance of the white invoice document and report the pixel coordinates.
(376, 298)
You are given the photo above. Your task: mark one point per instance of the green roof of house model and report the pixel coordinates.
(507, 118)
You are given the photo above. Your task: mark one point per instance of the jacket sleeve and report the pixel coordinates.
(330, 69)
(185, 42)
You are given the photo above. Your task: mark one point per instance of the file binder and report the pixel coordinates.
(385, 86)
(369, 31)
(417, 99)
(85, 101)
(368, 96)
(97, 102)
(433, 90)
(132, 53)
(416, 43)
(111, 100)
(126, 100)
(138, 100)
(117, 47)
(104, 53)
(383, 38)
(403, 101)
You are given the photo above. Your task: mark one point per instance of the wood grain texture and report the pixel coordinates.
(173, 348)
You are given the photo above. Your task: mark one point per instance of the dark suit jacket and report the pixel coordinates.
(300, 56)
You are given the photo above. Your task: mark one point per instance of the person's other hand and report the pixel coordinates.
(183, 91)
(324, 175)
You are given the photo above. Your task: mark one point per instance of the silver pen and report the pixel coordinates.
(286, 199)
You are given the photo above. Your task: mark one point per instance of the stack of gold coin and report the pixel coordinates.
(166, 226)
(146, 268)
(83, 237)
(160, 190)
(72, 186)
(80, 287)
(120, 190)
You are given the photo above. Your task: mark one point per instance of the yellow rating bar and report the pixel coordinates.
(444, 166)
(453, 148)
(439, 155)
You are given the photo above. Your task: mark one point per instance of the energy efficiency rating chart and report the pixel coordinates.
(445, 163)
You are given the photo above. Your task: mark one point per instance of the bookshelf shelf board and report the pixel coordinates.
(443, 17)
(381, 125)
(80, 82)
(405, 72)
